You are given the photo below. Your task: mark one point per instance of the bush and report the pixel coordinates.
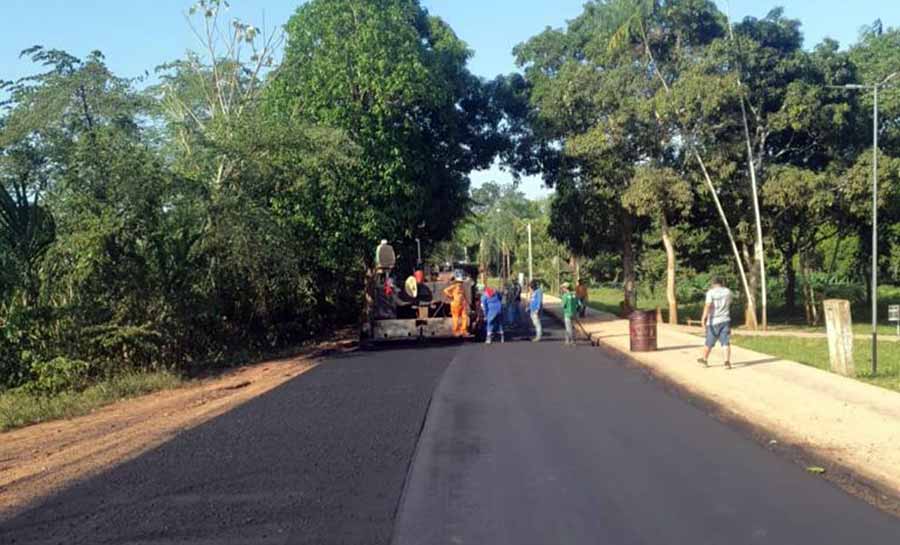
(692, 286)
(12, 371)
(22, 406)
(59, 375)
(828, 286)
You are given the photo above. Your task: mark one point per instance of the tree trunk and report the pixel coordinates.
(790, 279)
(712, 190)
(834, 256)
(628, 264)
(753, 283)
(751, 164)
(809, 294)
(737, 255)
(671, 297)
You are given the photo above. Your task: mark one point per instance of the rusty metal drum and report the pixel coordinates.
(642, 330)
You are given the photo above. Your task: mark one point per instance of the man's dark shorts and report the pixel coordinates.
(719, 332)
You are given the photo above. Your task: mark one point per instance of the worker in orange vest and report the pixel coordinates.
(458, 305)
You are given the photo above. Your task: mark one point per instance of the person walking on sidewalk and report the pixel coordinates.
(717, 321)
(535, 305)
(581, 292)
(571, 306)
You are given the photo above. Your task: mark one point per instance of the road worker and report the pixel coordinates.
(459, 304)
(492, 305)
(571, 307)
(581, 293)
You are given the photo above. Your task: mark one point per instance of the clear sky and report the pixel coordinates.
(137, 35)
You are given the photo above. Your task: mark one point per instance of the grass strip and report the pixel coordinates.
(20, 407)
(814, 352)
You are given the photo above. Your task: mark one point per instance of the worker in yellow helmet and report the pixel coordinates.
(456, 293)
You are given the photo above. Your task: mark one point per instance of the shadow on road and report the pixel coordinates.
(320, 459)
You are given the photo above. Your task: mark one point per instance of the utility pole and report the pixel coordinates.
(875, 232)
(875, 88)
(530, 263)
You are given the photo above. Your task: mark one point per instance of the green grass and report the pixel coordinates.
(20, 407)
(608, 299)
(814, 352)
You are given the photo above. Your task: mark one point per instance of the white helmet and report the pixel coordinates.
(458, 274)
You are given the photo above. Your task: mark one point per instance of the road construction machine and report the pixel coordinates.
(408, 305)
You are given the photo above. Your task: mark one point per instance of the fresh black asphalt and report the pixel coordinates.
(538, 444)
(319, 460)
(523, 444)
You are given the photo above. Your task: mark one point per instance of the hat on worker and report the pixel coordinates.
(412, 287)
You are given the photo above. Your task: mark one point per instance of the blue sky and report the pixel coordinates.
(136, 35)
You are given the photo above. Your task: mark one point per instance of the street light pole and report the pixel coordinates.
(875, 87)
(875, 231)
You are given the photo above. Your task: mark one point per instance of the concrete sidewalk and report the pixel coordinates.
(849, 427)
(742, 332)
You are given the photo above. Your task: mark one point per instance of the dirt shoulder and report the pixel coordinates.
(41, 459)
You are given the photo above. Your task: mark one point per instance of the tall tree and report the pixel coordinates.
(395, 79)
(594, 86)
(660, 193)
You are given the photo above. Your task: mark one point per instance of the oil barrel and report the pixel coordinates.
(642, 330)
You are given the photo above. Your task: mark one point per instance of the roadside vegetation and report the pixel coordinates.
(814, 352)
(228, 205)
(29, 405)
(690, 307)
(683, 145)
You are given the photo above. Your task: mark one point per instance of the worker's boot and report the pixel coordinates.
(502, 340)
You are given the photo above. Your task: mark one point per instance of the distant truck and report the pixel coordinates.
(413, 305)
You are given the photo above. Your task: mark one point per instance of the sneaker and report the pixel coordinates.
(487, 341)
(727, 365)
(703, 362)
(502, 339)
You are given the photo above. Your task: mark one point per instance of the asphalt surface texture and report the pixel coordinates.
(545, 444)
(319, 460)
(522, 444)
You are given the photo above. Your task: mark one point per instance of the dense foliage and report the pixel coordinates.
(665, 127)
(231, 206)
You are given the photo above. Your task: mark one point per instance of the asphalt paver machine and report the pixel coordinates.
(413, 305)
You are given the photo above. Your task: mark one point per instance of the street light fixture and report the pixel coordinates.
(875, 87)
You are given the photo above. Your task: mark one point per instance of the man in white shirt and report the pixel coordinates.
(717, 321)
